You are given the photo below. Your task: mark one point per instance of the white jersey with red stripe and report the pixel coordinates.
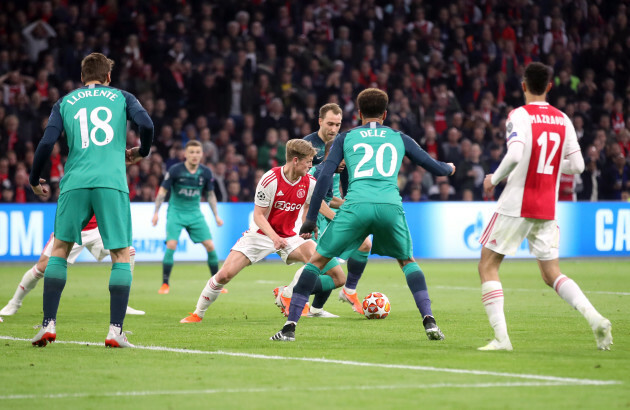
(283, 199)
(548, 137)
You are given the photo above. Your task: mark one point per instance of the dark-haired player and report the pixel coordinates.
(541, 144)
(373, 155)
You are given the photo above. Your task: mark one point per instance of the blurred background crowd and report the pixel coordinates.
(244, 77)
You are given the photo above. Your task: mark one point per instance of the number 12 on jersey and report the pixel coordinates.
(97, 124)
(544, 161)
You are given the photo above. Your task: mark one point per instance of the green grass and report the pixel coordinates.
(549, 339)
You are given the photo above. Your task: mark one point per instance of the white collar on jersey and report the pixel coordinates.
(539, 103)
(286, 179)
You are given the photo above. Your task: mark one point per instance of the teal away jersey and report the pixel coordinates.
(320, 146)
(373, 155)
(95, 121)
(186, 187)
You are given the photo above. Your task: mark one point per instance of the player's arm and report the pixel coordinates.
(212, 197)
(573, 162)
(137, 114)
(326, 211)
(422, 158)
(336, 203)
(324, 182)
(212, 201)
(508, 163)
(159, 199)
(260, 219)
(44, 149)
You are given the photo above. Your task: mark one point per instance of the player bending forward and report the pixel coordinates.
(280, 195)
(373, 154)
(541, 144)
(356, 262)
(91, 238)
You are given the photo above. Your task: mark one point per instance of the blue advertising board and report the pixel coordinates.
(440, 230)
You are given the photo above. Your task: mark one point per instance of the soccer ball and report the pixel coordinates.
(376, 306)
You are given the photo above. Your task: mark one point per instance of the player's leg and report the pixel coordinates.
(167, 266)
(301, 293)
(119, 288)
(418, 287)
(300, 250)
(571, 293)
(332, 278)
(94, 243)
(55, 276)
(74, 210)
(213, 259)
(113, 213)
(502, 236)
(492, 298)
(234, 263)
(356, 266)
(543, 243)
(29, 280)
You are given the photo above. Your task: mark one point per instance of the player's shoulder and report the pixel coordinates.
(518, 112)
(205, 169)
(175, 168)
(312, 137)
(269, 177)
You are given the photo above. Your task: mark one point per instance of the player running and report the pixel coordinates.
(541, 144)
(94, 118)
(91, 239)
(280, 195)
(373, 154)
(187, 181)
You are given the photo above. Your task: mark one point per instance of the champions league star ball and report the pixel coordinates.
(376, 306)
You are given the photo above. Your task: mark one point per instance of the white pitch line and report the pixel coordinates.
(599, 292)
(279, 389)
(569, 380)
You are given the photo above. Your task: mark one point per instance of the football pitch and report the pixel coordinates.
(228, 361)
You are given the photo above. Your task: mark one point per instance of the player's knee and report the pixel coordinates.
(339, 281)
(366, 246)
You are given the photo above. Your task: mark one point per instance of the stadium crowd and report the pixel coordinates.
(244, 77)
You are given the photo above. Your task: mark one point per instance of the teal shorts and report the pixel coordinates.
(354, 223)
(111, 208)
(322, 224)
(193, 222)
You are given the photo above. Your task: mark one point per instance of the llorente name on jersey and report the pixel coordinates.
(92, 93)
(546, 119)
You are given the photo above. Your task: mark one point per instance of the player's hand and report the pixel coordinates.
(155, 219)
(452, 165)
(132, 156)
(219, 221)
(488, 187)
(280, 243)
(306, 229)
(40, 190)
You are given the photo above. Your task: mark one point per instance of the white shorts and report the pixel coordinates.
(256, 246)
(91, 240)
(504, 234)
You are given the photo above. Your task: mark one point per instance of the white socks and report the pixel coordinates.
(492, 299)
(132, 258)
(210, 293)
(349, 291)
(568, 290)
(29, 281)
(287, 292)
